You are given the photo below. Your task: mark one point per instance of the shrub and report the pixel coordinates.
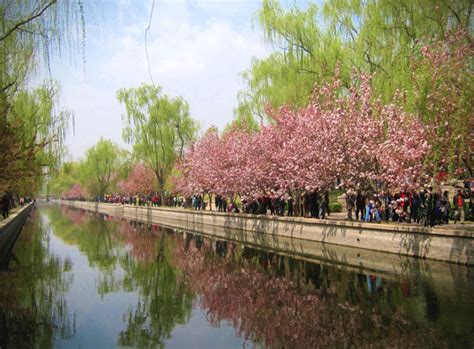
(335, 207)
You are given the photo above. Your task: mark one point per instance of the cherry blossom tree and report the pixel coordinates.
(141, 180)
(74, 193)
(201, 166)
(341, 134)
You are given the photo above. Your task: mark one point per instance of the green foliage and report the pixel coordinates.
(64, 178)
(32, 292)
(100, 168)
(335, 207)
(243, 121)
(378, 37)
(31, 128)
(33, 134)
(158, 126)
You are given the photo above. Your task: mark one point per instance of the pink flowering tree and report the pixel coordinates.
(75, 192)
(200, 167)
(239, 159)
(346, 135)
(141, 180)
(403, 149)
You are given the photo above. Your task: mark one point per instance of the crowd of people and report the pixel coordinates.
(139, 200)
(9, 201)
(428, 207)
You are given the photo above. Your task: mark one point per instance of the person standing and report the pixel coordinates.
(360, 205)
(431, 207)
(415, 201)
(458, 202)
(326, 202)
(350, 201)
(217, 199)
(224, 204)
(445, 206)
(5, 206)
(290, 206)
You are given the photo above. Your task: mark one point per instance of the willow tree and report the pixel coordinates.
(100, 168)
(158, 126)
(65, 178)
(379, 37)
(31, 128)
(31, 139)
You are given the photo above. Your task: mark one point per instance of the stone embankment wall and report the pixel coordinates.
(445, 244)
(10, 229)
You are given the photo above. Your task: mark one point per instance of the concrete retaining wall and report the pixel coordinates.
(453, 245)
(10, 229)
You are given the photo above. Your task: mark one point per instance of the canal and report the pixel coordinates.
(78, 279)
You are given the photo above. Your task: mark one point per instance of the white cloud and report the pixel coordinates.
(199, 58)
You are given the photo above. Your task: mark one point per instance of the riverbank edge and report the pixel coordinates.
(10, 229)
(453, 245)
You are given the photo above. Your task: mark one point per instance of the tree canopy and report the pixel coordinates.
(101, 166)
(386, 39)
(32, 128)
(158, 126)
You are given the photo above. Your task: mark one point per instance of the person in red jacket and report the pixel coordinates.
(458, 202)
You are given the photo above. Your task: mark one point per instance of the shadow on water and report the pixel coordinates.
(275, 292)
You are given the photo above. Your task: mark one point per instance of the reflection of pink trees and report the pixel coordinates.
(140, 239)
(278, 311)
(283, 313)
(262, 307)
(76, 216)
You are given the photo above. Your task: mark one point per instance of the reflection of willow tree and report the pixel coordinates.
(32, 308)
(164, 298)
(283, 303)
(145, 254)
(91, 233)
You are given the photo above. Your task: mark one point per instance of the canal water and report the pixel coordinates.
(82, 280)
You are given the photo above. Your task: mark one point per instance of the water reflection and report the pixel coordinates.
(283, 302)
(271, 300)
(32, 307)
(143, 254)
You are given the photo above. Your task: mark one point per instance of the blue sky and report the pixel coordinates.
(197, 50)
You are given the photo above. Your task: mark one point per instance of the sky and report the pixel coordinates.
(197, 50)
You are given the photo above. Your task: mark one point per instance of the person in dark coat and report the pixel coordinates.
(326, 202)
(445, 206)
(290, 206)
(5, 206)
(360, 205)
(415, 203)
